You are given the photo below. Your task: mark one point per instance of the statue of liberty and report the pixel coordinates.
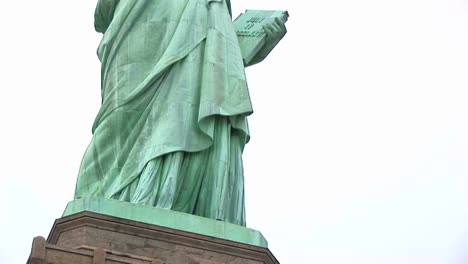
(173, 121)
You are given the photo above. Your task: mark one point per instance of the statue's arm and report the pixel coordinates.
(104, 14)
(274, 32)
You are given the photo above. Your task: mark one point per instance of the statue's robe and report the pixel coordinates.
(172, 126)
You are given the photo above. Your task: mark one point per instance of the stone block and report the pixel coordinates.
(93, 238)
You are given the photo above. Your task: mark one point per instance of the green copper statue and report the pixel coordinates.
(172, 126)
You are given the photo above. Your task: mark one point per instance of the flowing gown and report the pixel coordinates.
(172, 125)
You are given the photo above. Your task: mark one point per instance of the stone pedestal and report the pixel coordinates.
(90, 237)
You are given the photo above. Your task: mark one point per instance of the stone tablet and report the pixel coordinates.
(250, 31)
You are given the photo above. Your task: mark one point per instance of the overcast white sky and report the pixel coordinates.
(359, 150)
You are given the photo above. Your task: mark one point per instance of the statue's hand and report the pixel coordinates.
(274, 32)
